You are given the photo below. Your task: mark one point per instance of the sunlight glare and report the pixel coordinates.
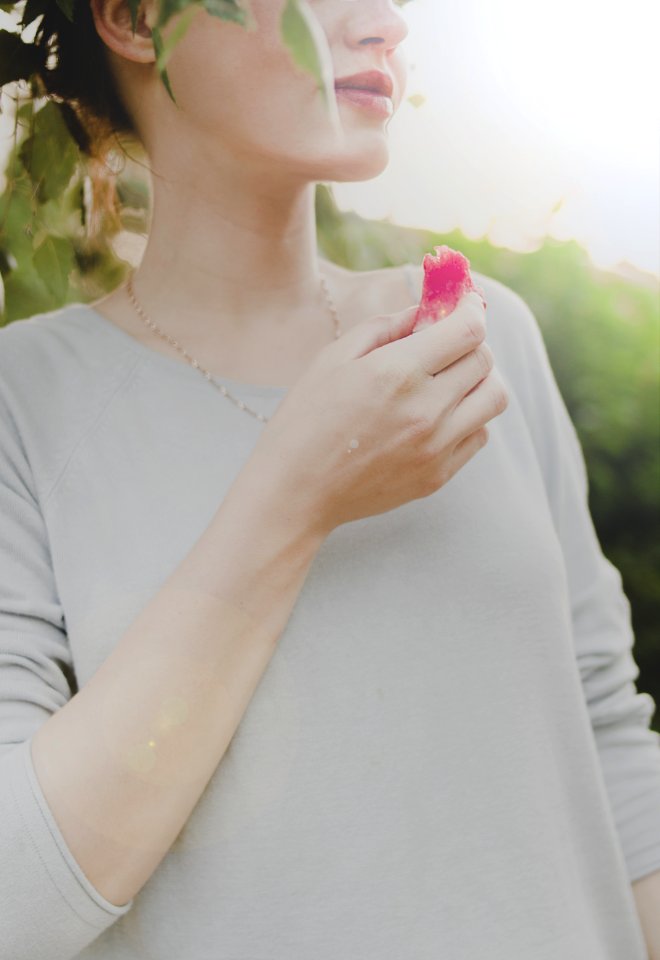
(578, 68)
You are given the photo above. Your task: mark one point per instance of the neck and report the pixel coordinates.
(235, 259)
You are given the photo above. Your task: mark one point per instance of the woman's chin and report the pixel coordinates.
(348, 173)
(363, 158)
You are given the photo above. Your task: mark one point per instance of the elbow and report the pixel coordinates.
(646, 892)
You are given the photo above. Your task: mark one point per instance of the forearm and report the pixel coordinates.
(124, 762)
(647, 897)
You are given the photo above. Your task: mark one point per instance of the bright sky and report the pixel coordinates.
(528, 106)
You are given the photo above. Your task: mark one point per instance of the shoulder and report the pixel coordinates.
(358, 294)
(49, 353)
(58, 343)
(44, 337)
(57, 372)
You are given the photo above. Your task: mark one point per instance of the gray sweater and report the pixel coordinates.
(446, 757)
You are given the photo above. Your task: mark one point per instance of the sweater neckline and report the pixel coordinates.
(180, 367)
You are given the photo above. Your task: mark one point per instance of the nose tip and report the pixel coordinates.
(376, 21)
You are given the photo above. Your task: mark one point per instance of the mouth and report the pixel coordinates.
(370, 90)
(374, 81)
(366, 99)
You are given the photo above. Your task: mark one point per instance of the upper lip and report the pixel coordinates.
(374, 80)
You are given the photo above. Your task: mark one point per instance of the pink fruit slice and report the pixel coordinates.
(446, 280)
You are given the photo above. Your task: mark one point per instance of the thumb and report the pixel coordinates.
(376, 331)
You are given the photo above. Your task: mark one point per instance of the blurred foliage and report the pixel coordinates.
(60, 220)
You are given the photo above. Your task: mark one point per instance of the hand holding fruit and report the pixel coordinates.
(381, 418)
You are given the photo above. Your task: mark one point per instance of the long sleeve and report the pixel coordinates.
(48, 908)
(629, 751)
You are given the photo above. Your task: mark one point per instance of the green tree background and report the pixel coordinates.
(61, 214)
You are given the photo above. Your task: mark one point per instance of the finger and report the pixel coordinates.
(469, 445)
(464, 374)
(435, 347)
(373, 333)
(486, 401)
(467, 448)
(472, 297)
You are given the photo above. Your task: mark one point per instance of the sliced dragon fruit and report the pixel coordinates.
(446, 280)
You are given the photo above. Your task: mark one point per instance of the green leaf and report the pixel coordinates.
(49, 155)
(224, 9)
(299, 38)
(66, 6)
(168, 8)
(228, 10)
(25, 110)
(307, 43)
(158, 47)
(25, 293)
(53, 261)
(134, 7)
(62, 216)
(15, 233)
(167, 48)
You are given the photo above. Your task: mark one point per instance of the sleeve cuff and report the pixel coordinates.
(630, 760)
(48, 849)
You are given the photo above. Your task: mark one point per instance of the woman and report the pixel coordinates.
(301, 678)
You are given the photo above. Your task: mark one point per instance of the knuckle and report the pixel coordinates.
(484, 356)
(475, 321)
(420, 427)
(441, 476)
(499, 395)
(431, 482)
(429, 487)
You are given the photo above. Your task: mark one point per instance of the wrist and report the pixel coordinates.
(269, 497)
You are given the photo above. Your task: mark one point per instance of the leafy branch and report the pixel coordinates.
(300, 30)
(61, 209)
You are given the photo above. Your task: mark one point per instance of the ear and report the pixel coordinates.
(113, 24)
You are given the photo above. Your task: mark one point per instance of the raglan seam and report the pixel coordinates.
(120, 386)
(21, 443)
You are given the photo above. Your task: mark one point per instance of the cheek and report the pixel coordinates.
(243, 84)
(221, 68)
(267, 16)
(254, 110)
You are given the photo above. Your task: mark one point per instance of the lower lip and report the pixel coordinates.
(375, 102)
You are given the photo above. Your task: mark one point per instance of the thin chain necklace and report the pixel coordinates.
(205, 373)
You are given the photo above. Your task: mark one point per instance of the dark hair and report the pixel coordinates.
(75, 72)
